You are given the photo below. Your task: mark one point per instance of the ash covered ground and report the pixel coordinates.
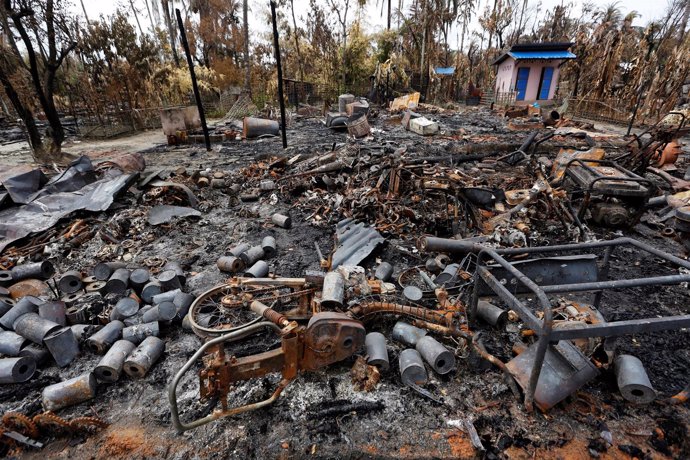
(404, 424)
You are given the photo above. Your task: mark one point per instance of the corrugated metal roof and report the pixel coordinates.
(444, 70)
(355, 242)
(542, 54)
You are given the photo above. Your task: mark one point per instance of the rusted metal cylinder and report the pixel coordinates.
(255, 127)
(179, 271)
(448, 276)
(34, 328)
(434, 244)
(6, 305)
(167, 296)
(632, 380)
(268, 313)
(182, 302)
(439, 357)
(105, 338)
(39, 270)
(69, 392)
(407, 333)
(281, 221)
(39, 354)
(53, 311)
(104, 270)
(96, 287)
(139, 278)
(110, 366)
(258, 270)
(230, 264)
(118, 281)
(63, 346)
(151, 289)
(124, 308)
(137, 333)
(5, 278)
(27, 304)
(432, 266)
(169, 280)
(77, 314)
(239, 249)
(164, 311)
(377, 353)
(267, 185)
(83, 331)
(268, 244)
(252, 255)
(384, 272)
(140, 361)
(11, 343)
(333, 293)
(492, 314)
(412, 371)
(70, 282)
(16, 370)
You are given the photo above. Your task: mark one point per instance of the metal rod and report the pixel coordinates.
(276, 45)
(195, 86)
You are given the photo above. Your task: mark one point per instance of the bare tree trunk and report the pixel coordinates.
(300, 64)
(172, 32)
(24, 112)
(136, 16)
(684, 23)
(153, 26)
(247, 67)
(84, 9)
(388, 22)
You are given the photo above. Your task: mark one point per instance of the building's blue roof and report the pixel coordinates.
(563, 54)
(444, 70)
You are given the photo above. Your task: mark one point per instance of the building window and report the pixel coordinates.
(545, 82)
(521, 83)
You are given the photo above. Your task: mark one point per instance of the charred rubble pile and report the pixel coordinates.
(455, 255)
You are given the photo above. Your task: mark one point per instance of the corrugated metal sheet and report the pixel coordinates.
(355, 242)
(542, 54)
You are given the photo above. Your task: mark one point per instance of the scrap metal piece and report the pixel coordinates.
(20, 422)
(252, 255)
(139, 278)
(34, 328)
(230, 264)
(63, 346)
(268, 244)
(169, 280)
(434, 353)
(151, 289)
(183, 301)
(633, 381)
(104, 270)
(27, 304)
(23, 439)
(137, 333)
(412, 370)
(413, 293)
(53, 311)
(177, 268)
(355, 242)
(11, 343)
(39, 354)
(70, 282)
(565, 370)
(333, 293)
(124, 308)
(258, 270)
(162, 214)
(491, 313)
(118, 281)
(16, 370)
(407, 333)
(193, 202)
(377, 352)
(384, 272)
(103, 339)
(140, 361)
(69, 392)
(164, 311)
(39, 270)
(281, 220)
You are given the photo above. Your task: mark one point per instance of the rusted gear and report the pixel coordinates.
(51, 424)
(20, 423)
(87, 424)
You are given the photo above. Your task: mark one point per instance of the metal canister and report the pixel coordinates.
(69, 392)
(633, 381)
(5, 278)
(439, 357)
(183, 301)
(6, 304)
(252, 255)
(333, 293)
(53, 311)
(169, 280)
(258, 270)
(492, 314)
(34, 328)
(16, 370)
(118, 281)
(27, 304)
(413, 293)
(137, 333)
(63, 346)
(448, 276)
(83, 331)
(105, 338)
(164, 311)
(281, 220)
(255, 127)
(230, 264)
(104, 270)
(70, 282)
(39, 354)
(11, 343)
(109, 367)
(39, 270)
(267, 185)
(167, 296)
(124, 308)
(377, 352)
(268, 244)
(140, 361)
(412, 371)
(384, 272)
(407, 333)
(177, 268)
(151, 289)
(239, 249)
(138, 278)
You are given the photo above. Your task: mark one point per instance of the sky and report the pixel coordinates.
(648, 11)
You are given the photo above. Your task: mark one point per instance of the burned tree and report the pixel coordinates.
(22, 17)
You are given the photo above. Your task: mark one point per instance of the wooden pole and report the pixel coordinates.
(281, 99)
(195, 86)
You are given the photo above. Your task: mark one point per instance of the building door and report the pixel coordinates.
(521, 83)
(545, 83)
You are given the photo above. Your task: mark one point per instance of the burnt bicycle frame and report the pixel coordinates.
(544, 328)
